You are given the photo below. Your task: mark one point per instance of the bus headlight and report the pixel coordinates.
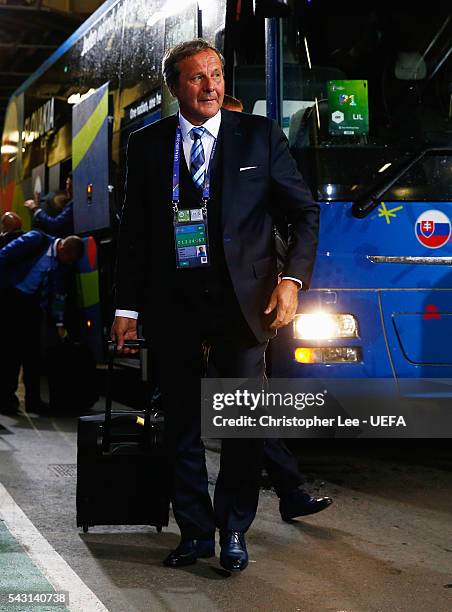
(324, 326)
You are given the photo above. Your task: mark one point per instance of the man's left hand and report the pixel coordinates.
(285, 299)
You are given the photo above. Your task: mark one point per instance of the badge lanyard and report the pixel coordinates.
(190, 226)
(176, 171)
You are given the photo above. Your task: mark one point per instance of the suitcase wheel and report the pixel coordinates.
(85, 528)
(159, 528)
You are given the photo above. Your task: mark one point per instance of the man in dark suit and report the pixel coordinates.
(234, 304)
(31, 277)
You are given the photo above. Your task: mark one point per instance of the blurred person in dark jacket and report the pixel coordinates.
(60, 225)
(32, 278)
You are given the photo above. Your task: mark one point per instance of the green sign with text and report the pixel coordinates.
(348, 109)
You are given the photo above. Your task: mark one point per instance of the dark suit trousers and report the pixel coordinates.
(282, 467)
(21, 315)
(179, 364)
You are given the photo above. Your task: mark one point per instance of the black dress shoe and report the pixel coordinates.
(189, 551)
(300, 503)
(233, 556)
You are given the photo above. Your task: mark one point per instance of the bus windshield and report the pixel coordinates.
(367, 86)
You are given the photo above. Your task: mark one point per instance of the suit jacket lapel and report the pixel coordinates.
(231, 137)
(163, 154)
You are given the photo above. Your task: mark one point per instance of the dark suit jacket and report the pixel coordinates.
(250, 198)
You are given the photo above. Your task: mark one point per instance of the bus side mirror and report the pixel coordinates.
(271, 8)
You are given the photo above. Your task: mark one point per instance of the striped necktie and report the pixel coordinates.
(197, 158)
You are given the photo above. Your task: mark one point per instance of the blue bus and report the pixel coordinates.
(363, 92)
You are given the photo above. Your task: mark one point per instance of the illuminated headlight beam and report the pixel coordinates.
(324, 326)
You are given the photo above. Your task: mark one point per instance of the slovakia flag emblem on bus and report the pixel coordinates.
(433, 229)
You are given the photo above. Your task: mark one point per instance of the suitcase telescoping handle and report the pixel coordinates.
(139, 343)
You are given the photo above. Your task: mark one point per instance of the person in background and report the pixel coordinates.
(62, 224)
(11, 228)
(279, 462)
(232, 104)
(32, 278)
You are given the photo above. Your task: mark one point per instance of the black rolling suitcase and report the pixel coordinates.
(122, 475)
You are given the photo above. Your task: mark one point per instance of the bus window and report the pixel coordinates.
(246, 33)
(366, 86)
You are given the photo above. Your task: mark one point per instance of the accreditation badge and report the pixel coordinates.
(191, 238)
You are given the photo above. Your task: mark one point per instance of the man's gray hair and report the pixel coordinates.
(179, 52)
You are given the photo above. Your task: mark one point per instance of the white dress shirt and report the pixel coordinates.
(212, 128)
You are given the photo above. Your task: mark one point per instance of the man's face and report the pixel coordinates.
(200, 88)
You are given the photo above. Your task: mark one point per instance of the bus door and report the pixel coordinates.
(90, 162)
(11, 195)
(414, 265)
(90, 173)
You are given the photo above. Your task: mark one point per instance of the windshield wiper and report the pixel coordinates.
(372, 198)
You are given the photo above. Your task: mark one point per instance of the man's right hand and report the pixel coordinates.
(122, 329)
(31, 205)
